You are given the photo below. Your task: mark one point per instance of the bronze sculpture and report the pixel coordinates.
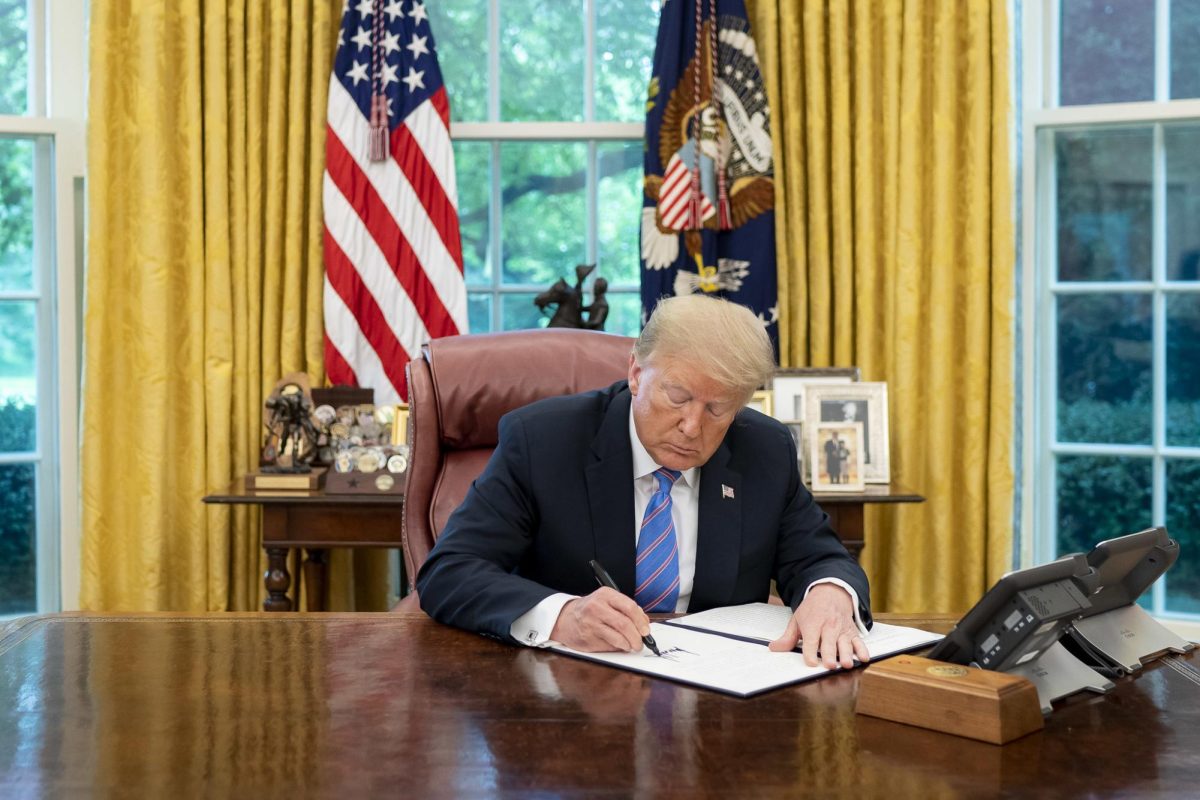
(569, 302)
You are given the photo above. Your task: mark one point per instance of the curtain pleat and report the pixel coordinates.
(205, 150)
(891, 127)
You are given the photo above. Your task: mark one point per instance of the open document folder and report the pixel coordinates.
(725, 649)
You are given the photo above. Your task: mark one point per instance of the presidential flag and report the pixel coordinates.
(708, 219)
(393, 257)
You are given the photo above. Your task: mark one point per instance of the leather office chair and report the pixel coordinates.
(459, 387)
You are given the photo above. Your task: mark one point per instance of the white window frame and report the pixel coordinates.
(1040, 288)
(57, 57)
(497, 133)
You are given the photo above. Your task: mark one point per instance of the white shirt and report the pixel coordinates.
(534, 626)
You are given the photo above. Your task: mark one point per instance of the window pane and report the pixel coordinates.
(479, 312)
(624, 313)
(460, 29)
(544, 213)
(1107, 53)
(1183, 523)
(1182, 144)
(620, 210)
(18, 381)
(14, 62)
(472, 168)
(1104, 204)
(1104, 368)
(18, 540)
(517, 311)
(1185, 32)
(1183, 370)
(625, 34)
(1100, 497)
(16, 211)
(541, 60)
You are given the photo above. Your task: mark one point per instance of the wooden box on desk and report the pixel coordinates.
(979, 704)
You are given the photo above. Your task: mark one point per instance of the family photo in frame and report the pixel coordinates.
(855, 403)
(804, 397)
(837, 457)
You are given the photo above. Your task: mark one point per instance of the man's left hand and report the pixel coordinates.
(824, 622)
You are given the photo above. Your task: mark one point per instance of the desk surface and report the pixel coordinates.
(354, 705)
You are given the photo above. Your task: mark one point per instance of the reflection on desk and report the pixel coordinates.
(370, 704)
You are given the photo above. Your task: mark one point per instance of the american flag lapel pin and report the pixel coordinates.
(726, 491)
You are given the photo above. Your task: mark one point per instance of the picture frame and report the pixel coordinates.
(787, 387)
(864, 402)
(400, 424)
(836, 455)
(796, 428)
(761, 402)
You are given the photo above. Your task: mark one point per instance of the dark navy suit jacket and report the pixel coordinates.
(558, 492)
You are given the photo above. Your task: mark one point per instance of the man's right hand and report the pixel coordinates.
(602, 621)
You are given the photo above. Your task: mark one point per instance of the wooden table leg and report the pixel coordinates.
(314, 578)
(277, 580)
(847, 520)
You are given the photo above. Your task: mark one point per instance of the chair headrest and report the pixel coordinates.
(479, 378)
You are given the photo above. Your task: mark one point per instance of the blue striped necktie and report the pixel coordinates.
(657, 552)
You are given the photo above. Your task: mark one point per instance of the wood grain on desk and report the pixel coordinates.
(356, 705)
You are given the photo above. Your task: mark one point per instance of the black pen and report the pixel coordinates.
(604, 579)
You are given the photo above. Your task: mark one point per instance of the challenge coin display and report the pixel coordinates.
(360, 439)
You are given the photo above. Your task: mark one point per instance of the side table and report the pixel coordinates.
(845, 510)
(314, 521)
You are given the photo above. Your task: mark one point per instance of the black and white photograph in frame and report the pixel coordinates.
(836, 455)
(787, 387)
(864, 403)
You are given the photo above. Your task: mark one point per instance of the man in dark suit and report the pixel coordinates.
(690, 500)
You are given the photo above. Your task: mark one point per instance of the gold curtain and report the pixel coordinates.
(205, 156)
(892, 132)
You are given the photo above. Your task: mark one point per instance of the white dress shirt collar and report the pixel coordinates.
(644, 464)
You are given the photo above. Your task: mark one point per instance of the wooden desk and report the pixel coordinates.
(370, 705)
(315, 521)
(846, 510)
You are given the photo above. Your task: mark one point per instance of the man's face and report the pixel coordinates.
(849, 412)
(680, 414)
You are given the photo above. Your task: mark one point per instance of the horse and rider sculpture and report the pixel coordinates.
(569, 301)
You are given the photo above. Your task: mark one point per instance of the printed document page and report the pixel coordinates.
(712, 662)
(730, 655)
(763, 622)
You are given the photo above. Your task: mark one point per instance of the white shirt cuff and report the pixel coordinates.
(853, 599)
(534, 626)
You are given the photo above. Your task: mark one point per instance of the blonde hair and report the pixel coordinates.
(724, 339)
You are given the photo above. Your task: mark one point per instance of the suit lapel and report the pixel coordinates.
(719, 537)
(610, 494)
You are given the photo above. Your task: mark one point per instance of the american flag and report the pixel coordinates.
(393, 257)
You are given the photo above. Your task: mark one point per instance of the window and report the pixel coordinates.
(547, 108)
(39, 156)
(1112, 280)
